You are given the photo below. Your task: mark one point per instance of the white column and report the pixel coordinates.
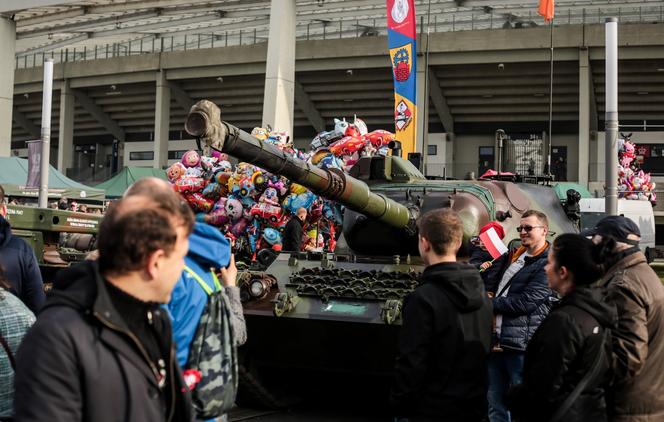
(66, 128)
(584, 116)
(7, 60)
(162, 120)
(279, 98)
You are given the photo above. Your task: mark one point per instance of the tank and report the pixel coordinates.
(326, 325)
(59, 238)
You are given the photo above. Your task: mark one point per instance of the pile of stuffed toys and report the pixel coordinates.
(252, 206)
(633, 183)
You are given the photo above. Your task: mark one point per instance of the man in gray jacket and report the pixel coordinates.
(638, 344)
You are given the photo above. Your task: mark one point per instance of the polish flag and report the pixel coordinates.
(493, 243)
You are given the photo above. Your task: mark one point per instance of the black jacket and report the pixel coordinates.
(490, 276)
(292, 240)
(527, 303)
(21, 268)
(561, 352)
(441, 368)
(79, 362)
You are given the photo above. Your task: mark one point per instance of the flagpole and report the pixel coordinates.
(548, 158)
(425, 107)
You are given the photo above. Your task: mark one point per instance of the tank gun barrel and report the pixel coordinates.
(204, 122)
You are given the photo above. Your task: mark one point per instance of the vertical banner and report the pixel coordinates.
(34, 162)
(401, 43)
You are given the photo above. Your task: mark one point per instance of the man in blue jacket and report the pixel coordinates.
(520, 304)
(20, 264)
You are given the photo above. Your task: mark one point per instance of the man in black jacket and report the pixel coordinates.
(292, 240)
(20, 264)
(441, 369)
(102, 349)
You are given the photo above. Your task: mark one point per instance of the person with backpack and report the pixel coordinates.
(638, 342)
(15, 320)
(190, 310)
(203, 308)
(567, 366)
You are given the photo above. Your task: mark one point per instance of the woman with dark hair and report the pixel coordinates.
(15, 320)
(568, 361)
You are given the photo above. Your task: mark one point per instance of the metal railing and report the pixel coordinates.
(468, 20)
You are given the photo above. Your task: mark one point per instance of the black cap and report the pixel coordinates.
(617, 227)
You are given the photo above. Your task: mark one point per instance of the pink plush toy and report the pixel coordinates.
(191, 158)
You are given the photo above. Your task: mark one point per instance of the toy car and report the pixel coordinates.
(266, 211)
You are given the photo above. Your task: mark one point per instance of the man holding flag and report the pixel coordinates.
(520, 304)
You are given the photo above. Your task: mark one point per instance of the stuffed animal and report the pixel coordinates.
(191, 158)
(175, 171)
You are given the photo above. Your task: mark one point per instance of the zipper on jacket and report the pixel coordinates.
(113, 327)
(170, 369)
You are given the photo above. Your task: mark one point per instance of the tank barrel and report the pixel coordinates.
(204, 122)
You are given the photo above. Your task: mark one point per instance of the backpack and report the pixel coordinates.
(214, 354)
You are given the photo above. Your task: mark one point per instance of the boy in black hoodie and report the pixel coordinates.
(441, 368)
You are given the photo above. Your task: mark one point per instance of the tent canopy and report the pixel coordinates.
(14, 175)
(116, 186)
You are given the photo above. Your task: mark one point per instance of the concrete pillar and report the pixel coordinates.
(584, 116)
(162, 120)
(7, 52)
(279, 98)
(66, 128)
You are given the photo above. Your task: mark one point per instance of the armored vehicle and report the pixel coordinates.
(327, 324)
(58, 237)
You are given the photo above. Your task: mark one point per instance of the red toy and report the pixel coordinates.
(266, 211)
(347, 145)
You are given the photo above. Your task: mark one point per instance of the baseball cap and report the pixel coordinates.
(617, 227)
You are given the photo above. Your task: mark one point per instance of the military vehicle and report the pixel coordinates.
(59, 238)
(327, 324)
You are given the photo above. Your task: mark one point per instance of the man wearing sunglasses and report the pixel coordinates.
(520, 304)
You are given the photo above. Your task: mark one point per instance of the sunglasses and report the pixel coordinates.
(527, 228)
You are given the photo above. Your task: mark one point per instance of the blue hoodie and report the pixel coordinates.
(208, 248)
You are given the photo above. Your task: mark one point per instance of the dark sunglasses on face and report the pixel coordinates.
(527, 228)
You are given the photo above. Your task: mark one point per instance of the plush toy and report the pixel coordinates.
(260, 133)
(217, 217)
(233, 209)
(213, 191)
(191, 158)
(293, 202)
(270, 196)
(272, 236)
(175, 171)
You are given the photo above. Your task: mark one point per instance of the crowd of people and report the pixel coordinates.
(575, 334)
(148, 328)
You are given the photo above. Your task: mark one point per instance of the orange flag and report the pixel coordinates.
(546, 9)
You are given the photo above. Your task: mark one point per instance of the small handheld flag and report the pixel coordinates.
(493, 243)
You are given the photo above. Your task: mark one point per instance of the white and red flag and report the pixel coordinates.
(493, 243)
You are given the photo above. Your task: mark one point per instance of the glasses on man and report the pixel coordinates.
(527, 228)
